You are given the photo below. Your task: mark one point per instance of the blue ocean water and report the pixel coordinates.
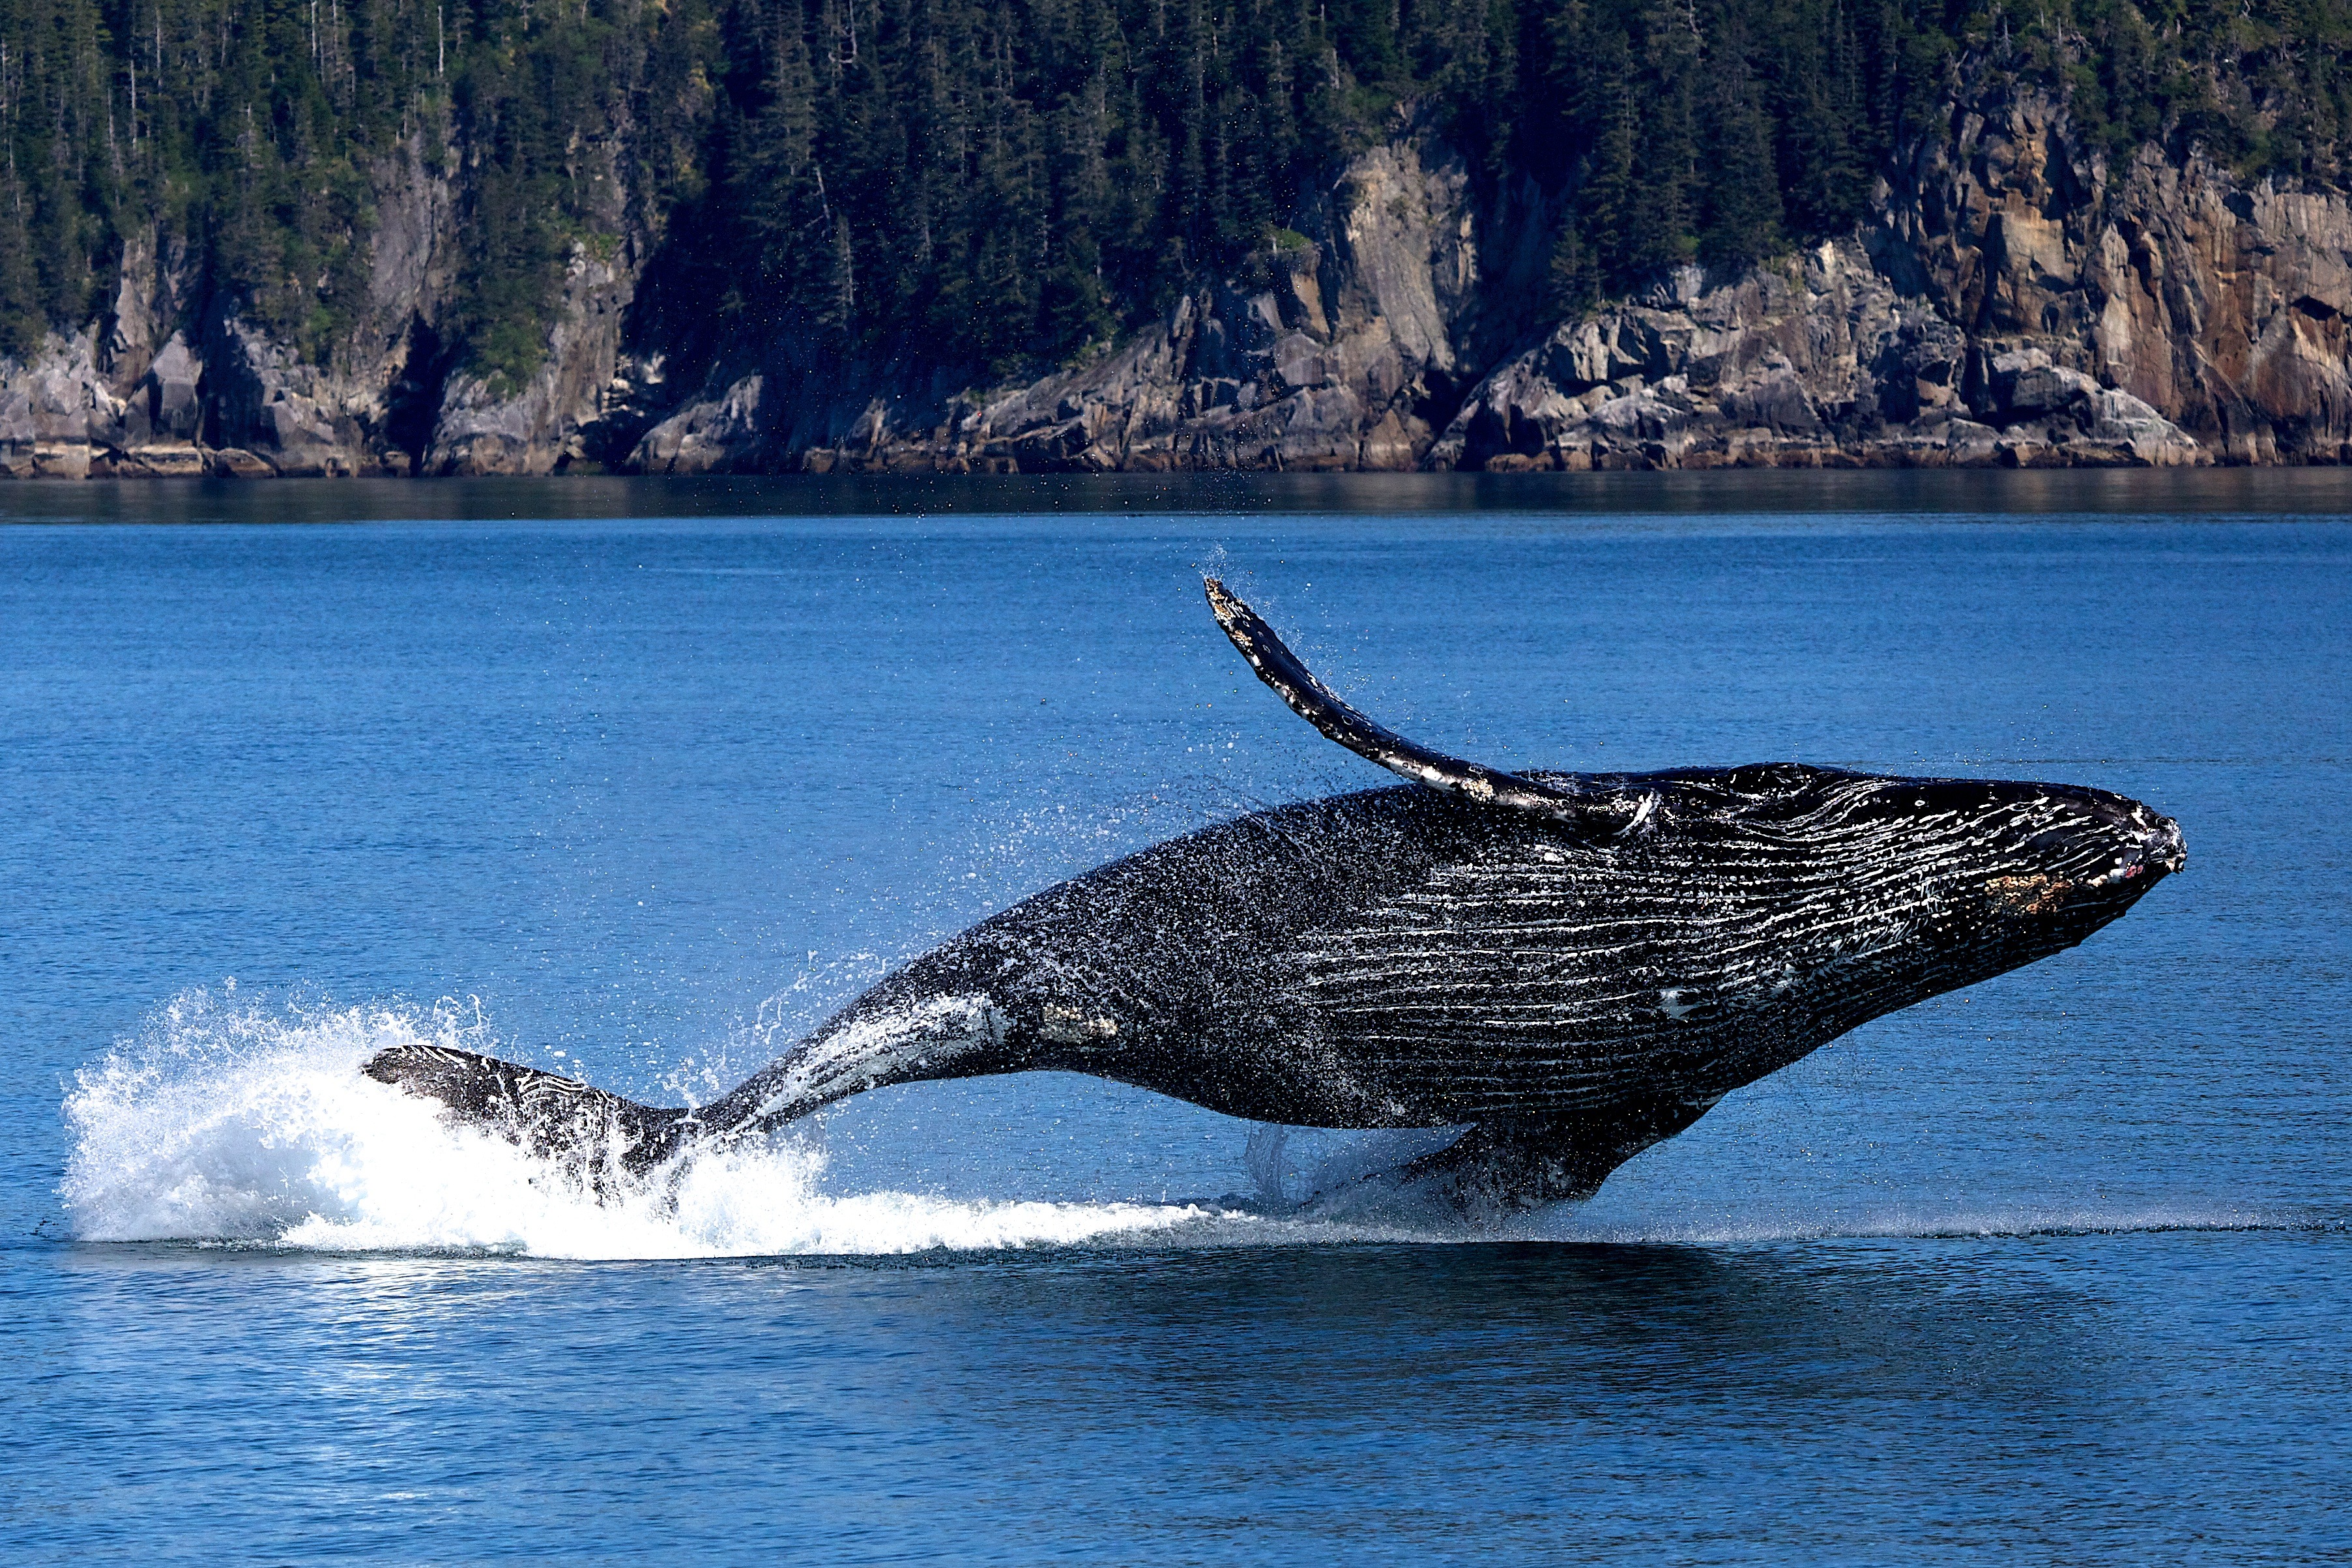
(640, 780)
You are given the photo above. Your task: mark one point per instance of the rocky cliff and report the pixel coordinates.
(2017, 297)
(2016, 300)
(174, 383)
(1347, 344)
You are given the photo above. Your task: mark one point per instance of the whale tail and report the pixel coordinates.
(602, 1138)
(598, 1136)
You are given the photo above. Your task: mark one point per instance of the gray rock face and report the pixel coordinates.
(538, 428)
(706, 435)
(290, 416)
(1818, 362)
(2014, 300)
(2221, 306)
(171, 385)
(1330, 353)
(175, 385)
(61, 417)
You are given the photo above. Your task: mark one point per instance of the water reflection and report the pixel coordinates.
(1830, 1395)
(1485, 1330)
(2273, 491)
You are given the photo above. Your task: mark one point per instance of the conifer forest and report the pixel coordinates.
(1024, 178)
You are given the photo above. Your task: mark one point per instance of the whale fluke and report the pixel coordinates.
(1307, 696)
(547, 1113)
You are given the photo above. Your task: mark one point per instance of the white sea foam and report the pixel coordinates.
(243, 1123)
(224, 1120)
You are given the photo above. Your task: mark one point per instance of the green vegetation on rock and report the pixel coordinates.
(1005, 182)
(249, 140)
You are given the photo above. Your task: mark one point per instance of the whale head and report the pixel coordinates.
(1933, 883)
(2083, 853)
(2038, 866)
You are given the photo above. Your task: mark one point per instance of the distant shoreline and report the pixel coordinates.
(2259, 491)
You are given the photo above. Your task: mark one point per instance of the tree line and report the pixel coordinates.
(1013, 182)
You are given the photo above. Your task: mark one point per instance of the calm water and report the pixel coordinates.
(641, 780)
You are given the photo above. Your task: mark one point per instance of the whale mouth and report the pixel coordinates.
(2159, 852)
(2128, 853)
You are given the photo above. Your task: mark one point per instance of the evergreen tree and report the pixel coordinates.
(1740, 188)
(1011, 181)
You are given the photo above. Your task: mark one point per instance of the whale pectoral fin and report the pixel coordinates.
(1297, 685)
(552, 1116)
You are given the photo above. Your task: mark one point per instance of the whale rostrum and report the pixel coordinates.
(1574, 967)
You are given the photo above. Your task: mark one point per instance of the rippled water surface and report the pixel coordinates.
(640, 781)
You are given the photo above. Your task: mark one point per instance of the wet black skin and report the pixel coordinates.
(1577, 965)
(1174, 970)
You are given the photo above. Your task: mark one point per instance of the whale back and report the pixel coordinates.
(1403, 958)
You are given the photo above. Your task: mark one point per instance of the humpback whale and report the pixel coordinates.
(1574, 967)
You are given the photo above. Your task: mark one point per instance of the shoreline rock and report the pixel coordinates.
(2013, 301)
(1818, 363)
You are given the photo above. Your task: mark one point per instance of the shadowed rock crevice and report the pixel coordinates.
(413, 402)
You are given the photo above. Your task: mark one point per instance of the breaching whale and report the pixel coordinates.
(1575, 965)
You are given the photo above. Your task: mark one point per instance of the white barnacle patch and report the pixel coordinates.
(1643, 812)
(1075, 1026)
(2121, 871)
(2034, 895)
(1670, 1002)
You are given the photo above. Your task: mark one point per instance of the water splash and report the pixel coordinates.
(231, 1121)
(240, 1122)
